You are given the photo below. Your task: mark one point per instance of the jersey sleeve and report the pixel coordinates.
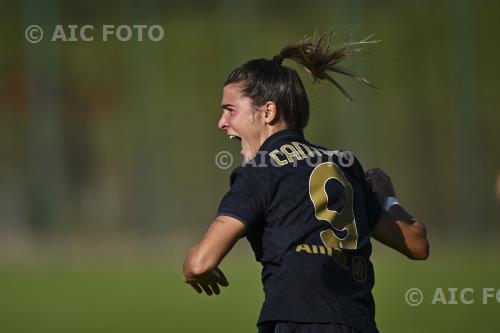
(242, 201)
(374, 200)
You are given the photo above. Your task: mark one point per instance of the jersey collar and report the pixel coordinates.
(286, 133)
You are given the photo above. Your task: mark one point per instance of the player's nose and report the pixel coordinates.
(222, 123)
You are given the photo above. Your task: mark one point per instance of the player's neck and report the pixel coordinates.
(271, 129)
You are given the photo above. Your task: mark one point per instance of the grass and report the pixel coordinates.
(148, 296)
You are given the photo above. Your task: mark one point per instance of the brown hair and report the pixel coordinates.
(268, 80)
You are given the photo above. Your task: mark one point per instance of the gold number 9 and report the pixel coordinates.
(343, 220)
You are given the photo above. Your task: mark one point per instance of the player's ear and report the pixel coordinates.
(270, 112)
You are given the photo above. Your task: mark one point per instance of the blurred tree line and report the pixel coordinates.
(119, 138)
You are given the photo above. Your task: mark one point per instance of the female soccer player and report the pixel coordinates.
(307, 211)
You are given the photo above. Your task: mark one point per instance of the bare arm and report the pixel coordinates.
(397, 228)
(407, 238)
(200, 266)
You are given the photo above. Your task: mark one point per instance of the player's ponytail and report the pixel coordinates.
(318, 58)
(268, 80)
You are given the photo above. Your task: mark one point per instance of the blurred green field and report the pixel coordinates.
(148, 295)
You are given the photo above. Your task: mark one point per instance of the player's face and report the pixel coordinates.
(242, 121)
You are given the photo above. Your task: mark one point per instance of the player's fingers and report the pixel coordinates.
(215, 288)
(380, 177)
(375, 173)
(220, 277)
(381, 174)
(207, 289)
(195, 287)
(376, 182)
(373, 176)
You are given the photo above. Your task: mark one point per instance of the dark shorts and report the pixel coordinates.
(288, 327)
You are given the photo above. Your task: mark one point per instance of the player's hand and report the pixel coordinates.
(209, 283)
(380, 182)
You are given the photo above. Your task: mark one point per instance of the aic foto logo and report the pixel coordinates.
(450, 296)
(88, 33)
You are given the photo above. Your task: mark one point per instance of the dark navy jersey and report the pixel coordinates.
(309, 214)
